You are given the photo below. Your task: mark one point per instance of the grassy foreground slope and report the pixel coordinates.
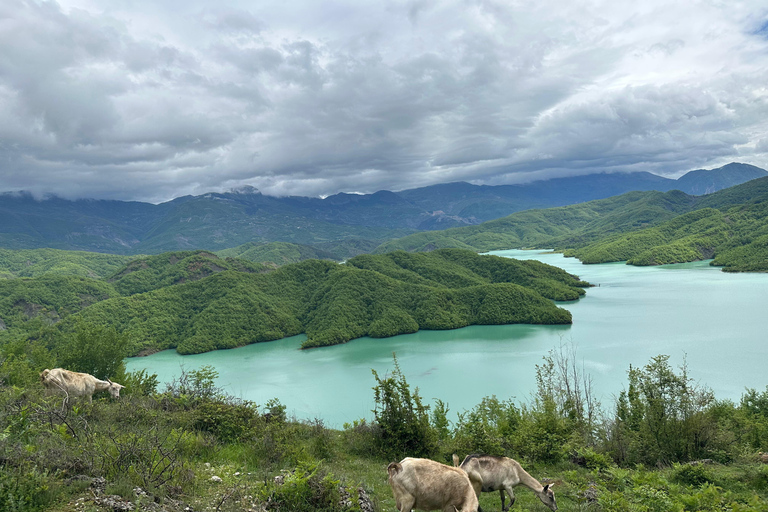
(666, 445)
(375, 296)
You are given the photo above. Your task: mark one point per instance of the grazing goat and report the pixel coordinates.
(424, 484)
(77, 384)
(488, 473)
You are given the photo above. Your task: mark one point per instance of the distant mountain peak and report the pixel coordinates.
(245, 189)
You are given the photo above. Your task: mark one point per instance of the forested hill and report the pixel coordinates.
(36, 262)
(195, 302)
(535, 228)
(730, 226)
(218, 221)
(645, 228)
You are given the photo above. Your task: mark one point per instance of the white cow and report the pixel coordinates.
(72, 384)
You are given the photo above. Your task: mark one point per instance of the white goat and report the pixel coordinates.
(72, 384)
(489, 473)
(424, 484)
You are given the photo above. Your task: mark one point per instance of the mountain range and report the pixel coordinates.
(339, 226)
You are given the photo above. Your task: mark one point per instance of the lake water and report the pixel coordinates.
(691, 312)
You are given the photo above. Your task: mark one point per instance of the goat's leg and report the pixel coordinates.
(406, 503)
(511, 499)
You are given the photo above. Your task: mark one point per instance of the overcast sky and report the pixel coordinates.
(149, 100)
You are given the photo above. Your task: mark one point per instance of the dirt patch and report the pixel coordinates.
(147, 351)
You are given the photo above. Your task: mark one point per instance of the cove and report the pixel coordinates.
(693, 312)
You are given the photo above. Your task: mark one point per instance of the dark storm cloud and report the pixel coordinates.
(148, 101)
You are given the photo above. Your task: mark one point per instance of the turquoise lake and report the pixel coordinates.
(692, 312)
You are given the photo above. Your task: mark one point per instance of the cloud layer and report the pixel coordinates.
(133, 99)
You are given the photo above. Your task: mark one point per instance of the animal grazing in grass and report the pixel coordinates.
(424, 484)
(74, 384)
(489, 473)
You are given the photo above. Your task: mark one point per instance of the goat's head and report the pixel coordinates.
(547, 497)
(114, 389)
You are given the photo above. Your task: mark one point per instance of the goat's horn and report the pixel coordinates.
(109, 381)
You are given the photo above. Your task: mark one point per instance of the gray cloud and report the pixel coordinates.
(152, 100)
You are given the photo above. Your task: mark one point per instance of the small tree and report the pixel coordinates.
(94, 349)
(402, 417)
(662, 417)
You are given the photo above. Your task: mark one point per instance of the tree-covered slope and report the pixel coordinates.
(566, 224)
(166, 269)
(643, 228)
(278, 253)
(332, 303)
(737, 239)
(36, 262)
(48, 298)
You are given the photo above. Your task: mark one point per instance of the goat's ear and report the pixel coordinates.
(546, 487)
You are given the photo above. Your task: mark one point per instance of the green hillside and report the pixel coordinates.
(371, 295)
(36, 262)
(730, 226)
(166, 269)
(642, 228)
(48, 298)
(568, 224)
(278, 253)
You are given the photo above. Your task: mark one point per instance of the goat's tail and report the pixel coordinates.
(394, 468)
(455, 460)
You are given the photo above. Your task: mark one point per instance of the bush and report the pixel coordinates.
(94, 349)
(25, 490)
(228, 422)
(691, 474)
(305, 489)
(402, 418)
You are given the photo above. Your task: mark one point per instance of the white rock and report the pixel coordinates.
(216, 479)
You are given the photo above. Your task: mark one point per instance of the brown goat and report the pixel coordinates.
(424, 484)
(489, 473)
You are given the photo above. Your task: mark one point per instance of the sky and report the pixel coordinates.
(149, 100)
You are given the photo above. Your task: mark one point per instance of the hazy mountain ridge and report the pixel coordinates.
(218, 221)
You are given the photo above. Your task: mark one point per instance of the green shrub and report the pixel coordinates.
(94, 349)
(402, 418)
(691, 474)
(591, 459)
(26, 490)
(305, 489)
(228, 422)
